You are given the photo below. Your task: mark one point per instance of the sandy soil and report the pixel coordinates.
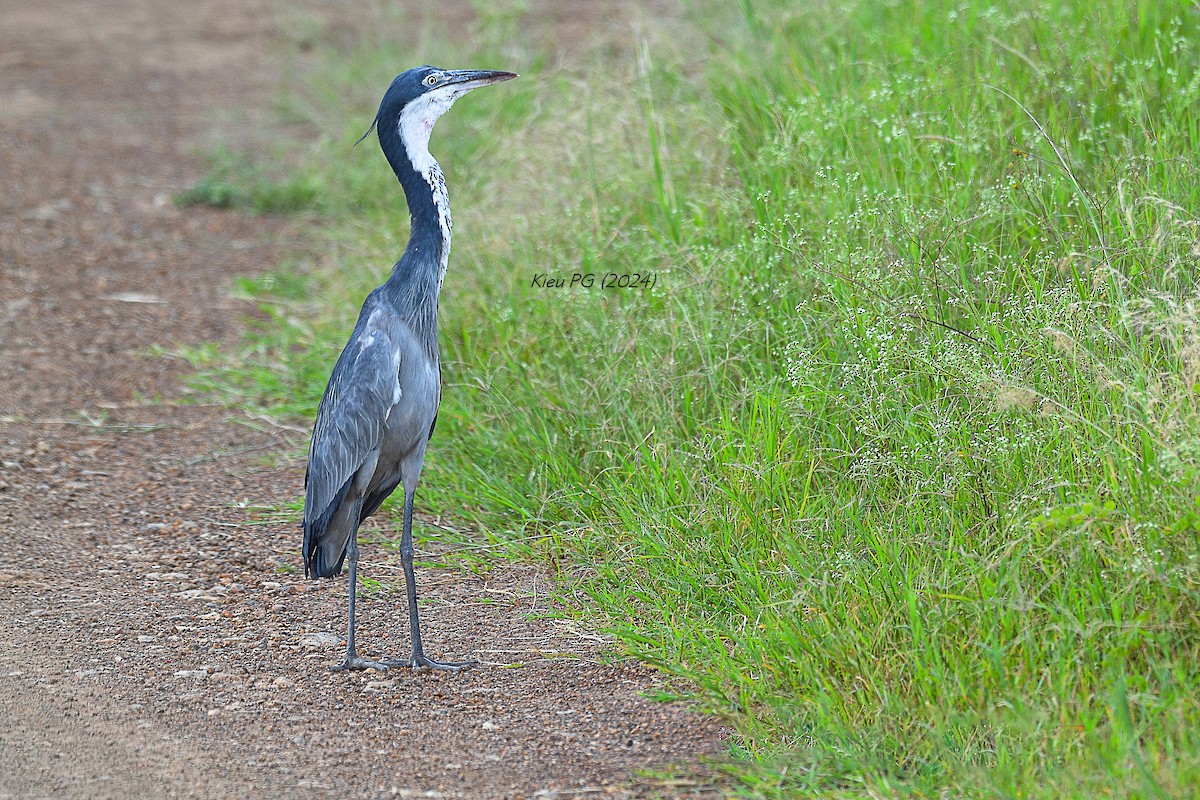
(152, 641)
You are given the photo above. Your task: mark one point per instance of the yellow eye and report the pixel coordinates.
(431, 80)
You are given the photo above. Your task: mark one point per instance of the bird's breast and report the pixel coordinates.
(416, 403)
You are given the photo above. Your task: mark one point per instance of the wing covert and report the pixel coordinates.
(352, 416)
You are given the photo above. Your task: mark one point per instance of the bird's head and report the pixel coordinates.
(415, 100)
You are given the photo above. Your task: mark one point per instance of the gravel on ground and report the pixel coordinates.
(157, 638)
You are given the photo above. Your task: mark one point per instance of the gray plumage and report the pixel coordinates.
(381, 404)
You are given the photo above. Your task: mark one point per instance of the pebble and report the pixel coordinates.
(196, 594)
(377, 686)
(320, 640)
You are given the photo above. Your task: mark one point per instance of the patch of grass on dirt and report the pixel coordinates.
(235, 182)
(897, 459)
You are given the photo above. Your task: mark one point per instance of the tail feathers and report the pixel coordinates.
(325, 539)
(326, 560)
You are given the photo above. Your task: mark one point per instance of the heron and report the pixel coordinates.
(381, 404)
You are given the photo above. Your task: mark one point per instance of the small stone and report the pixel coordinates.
(43, 213)
(378, 686)
(320, 640)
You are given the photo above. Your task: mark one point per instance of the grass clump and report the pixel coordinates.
(235, 182)
(898, 459)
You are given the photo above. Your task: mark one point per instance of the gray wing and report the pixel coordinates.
(350, 422)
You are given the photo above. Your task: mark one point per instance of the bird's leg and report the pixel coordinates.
(419, 659)
(352, 660)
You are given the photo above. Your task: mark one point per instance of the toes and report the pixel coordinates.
(421, 662)
(418, 663)
(360, 664)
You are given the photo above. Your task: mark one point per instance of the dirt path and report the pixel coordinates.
(151, 642)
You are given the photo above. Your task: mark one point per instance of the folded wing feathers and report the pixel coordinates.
(350, 421)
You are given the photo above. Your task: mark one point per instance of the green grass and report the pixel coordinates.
(235, 182)
(898, 459)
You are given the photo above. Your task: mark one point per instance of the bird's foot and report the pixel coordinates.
(356, 663)
(420, 662)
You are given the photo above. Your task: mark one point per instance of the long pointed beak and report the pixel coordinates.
(469, 79)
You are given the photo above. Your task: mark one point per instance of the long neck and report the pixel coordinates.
(416, 280)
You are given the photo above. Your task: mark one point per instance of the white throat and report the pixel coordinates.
(415, 125)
